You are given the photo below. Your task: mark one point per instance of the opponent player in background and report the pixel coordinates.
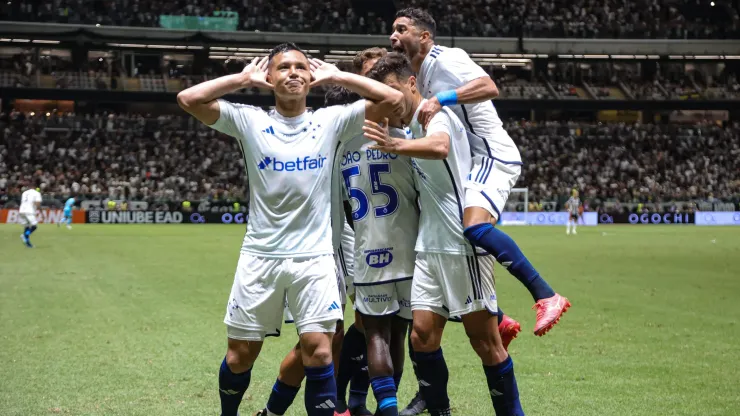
(30, 205)
(450, 277)
(67, 213)
(287, 250)
(573, 205)
(447, 77)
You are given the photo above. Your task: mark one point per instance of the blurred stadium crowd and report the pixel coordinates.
(126, 156)
(661, 19)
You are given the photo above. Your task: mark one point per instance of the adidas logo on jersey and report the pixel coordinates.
(328, 404)
(468, 301)
(269, 130)
(306, 163)
(333, 306)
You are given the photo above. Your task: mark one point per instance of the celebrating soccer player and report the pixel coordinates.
(450, 277)
(287, 250)
(447, 77)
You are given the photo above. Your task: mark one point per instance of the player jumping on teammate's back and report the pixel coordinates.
(30, 205)
(573, 205)
(448, 78)
(441, 157)
(287, 250)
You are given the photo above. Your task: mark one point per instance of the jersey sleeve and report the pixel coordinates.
(234, 119)
(457, 65)
(349, 120)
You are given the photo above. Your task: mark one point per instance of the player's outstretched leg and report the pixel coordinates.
(480, 231)
(235, 373)
(431, 366)
(481, 329)
(380, 364)
(321, 387)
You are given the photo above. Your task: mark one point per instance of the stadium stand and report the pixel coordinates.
(664, 19)
(151, 158)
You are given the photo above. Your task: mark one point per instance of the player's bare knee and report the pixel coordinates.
(476, 215)
(424, 340)
(241, 355)
(316, 349)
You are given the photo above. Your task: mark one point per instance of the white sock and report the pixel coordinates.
(567, 227)
(574, 228)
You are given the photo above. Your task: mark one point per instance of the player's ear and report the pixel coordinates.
(411, 82)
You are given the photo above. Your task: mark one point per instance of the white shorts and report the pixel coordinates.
(392, 298)
(453, 284)
(489, 183)
(28, 219)
(262, 285)
(341, 285)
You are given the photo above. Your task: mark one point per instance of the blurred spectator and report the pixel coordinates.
(136, 157)
(671, 19)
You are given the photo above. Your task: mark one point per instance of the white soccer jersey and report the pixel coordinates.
(381, 190)
(29, 198)
(441, 188)
(289, 164)
(450, 68)
(573, 205)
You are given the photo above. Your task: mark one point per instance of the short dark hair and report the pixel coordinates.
(285, 47)
(338, 95)
(394, 63)
(419, 17)
(363, 56)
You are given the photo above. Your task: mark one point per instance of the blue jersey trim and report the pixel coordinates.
(400, 279)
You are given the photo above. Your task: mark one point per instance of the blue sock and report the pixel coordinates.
(397, 378)
(29, 230)
(25, 231)
(433, 376)
(503, 389)
(321, 391)
(384, 389)
(501, 246)
(231, 388)
(281, 397)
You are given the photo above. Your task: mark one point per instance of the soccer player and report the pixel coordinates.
(68, 213)
(385, 216)
(287, 250)
(447, 77)
(573, 205)
(30, 205)
(450, 277)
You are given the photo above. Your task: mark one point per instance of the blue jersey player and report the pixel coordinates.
(67, 213)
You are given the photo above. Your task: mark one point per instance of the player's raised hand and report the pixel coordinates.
(321, 72)
(257, 73)
(428, 110)
(379, 134)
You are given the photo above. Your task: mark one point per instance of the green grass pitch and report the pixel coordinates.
(127, 320)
